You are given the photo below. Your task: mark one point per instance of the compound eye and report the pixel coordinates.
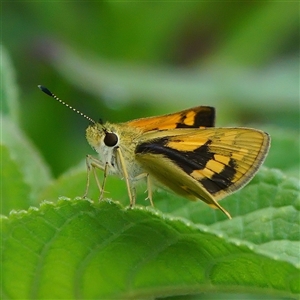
(111, 139)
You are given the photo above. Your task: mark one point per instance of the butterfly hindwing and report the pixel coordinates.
(215, 162)
(197, 117)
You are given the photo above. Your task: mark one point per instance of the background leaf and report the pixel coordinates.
(74, 249)
(284, 153)
(22, 168)
(14, 189)
(9, 104)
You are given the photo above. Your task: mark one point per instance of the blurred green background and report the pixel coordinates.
(123, 60)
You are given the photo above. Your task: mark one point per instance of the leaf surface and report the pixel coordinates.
(76, 249)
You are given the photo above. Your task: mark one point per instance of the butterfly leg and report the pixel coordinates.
(88, 169)
(149, 189)
(93, 163)
(133, 193)
(126, 177)
(149, 185)
(103, 182)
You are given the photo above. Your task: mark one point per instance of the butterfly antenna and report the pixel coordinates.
(46, 91)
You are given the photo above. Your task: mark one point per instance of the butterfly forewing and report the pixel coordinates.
(218, 161)
(197, 117)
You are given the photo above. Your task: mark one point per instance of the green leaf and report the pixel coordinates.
(9, 104)
(284, 153)
(78, 250)
(102, 250)
(23, 168)
(13, 186)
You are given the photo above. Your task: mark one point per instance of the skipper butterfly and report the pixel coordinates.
(182, 151)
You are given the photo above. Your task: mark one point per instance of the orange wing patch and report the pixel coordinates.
(197, 117)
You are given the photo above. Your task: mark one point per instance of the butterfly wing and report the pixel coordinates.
(207, 164)
(197, 117)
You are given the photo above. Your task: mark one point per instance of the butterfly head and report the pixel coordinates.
(101, 137)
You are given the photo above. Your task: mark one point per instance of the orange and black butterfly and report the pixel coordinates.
(182, 151)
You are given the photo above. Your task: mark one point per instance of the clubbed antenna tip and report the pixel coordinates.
(46, 91)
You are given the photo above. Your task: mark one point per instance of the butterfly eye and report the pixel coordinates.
(111, 139)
